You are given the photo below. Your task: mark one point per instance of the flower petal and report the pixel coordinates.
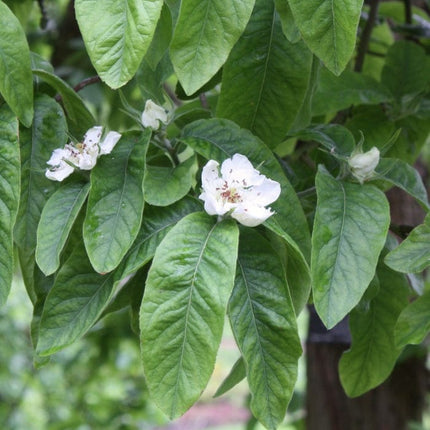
(109, 142)
(93, 135)
(59, 173)
(152, 115)
(251, 216)
(88, 159)
(264, 194)
(57, 156)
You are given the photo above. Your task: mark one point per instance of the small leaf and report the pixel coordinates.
(236, 375)
(55, 223)
(10, 167)
(117, 34)
(264, 325)
(350, 228)
(204, 35)
(289, 27)
(115, 203)
(183, 309)
(329, 28)
(16, 80)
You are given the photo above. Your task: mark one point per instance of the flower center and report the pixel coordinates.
(230, 194)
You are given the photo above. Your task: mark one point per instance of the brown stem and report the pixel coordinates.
(81, 85)
(365, 36)
(408, 11)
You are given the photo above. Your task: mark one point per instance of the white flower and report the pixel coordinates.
(152, 115)
(241, 191)
(109, 142)
(60, 168)
(363, 164)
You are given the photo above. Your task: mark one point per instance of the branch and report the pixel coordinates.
(81, 85)
(408, 11)
(365, 36)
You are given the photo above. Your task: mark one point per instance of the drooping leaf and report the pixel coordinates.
(74, 303)
(350, 228)
(264, 325)
(402, 175)
(115, 202)
(16, 80)
(218, 139)
(236, 375)
(183, 309)
(117, 34)
(166, 185)
(289, 27)
(413, 254)
(47, 133)
(56, 221)
(374, 353)
(274, 72)
(204, 35)
(329, 28)
(10, 167)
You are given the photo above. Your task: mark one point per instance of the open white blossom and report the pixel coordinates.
(363, 164)
(152, 115)
(81, 155)
(241, 191)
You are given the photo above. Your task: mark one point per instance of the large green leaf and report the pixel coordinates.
(219, 139)
(204, 35)
(74, 303)
(373, 353)
(117, 33)
(329, 28)
(115, 203)
(274, 72)
(16, 80)
(47, 133)
(10, 167)
(264, 325)
(79, 115)
(183, 309)
(401, 174)
(55, 223)
(413, 323)
(350, 228)
(413, 254)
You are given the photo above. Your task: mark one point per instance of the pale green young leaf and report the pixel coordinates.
(274, 72)
(413, 254)
(183, 309)
(48, 132)
(236, 375)
(329, 28)
(117, 34)
(16, 80)
(372, 326)
(264, 325)
(204, 35)
(56, 221)
(218, 139)
(115, 203)
(350, 228)
(10, 167)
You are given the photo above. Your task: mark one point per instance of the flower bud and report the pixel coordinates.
(363, 165)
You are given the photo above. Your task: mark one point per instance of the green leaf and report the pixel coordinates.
(274, 72)
(79, 115)
(115, 203)
(10, 167)
(350, 228)
(402, 175)
(117, 34)
(413, 323)
(329, 28)
(264, 325)
(204, 35)
(413, 254)
(155, 225)
(289, 27)
(373, 353)
(47, 133)
(74, 303)
(166, 185)
(55, 223)
(349, 89)
(218, 139)
(183, 309)
(236, 375)
(16, 80)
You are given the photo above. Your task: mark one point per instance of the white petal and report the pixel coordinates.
(210, 175)
(88, 159)
(152, 115)
(212, 205)
(264, 194)
(59, 173)
(109, 142)
(363, 165)
(239, 170)
(57, 156)
(93, 135)
(251, 216)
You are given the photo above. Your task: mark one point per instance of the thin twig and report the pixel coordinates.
(44, 16)
(408, 11)
(81, 85)
(365, 36)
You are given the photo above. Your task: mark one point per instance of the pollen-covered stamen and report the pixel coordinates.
(230, 194)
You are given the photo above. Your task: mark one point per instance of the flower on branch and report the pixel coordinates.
(363, 165)
(241, 191)
(82, 155)
(152, 115)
